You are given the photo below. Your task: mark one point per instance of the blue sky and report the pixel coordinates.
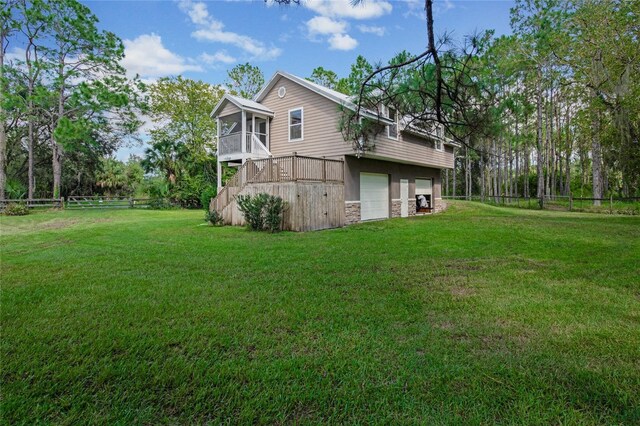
(203, 39)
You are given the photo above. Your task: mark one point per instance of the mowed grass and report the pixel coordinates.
(478, 315)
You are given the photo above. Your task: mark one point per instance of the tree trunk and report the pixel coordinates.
(496, 165)
(596, 158)
(30, 144)
(510, 171)
(517, 153)
(56, 148)
(540, 147)
(567, 175)
(3, 133)
(548, 156)
(482, 179)
(57, 168)
(467, 173)
(527, 162)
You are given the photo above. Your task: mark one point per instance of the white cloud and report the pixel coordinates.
(198, 13)
(448, 5)
(345, 9)
(415, 8)
(210, 29)
(16, 54)
(220, 56)
(342, 42)
(146, 55)
(324, 25)
(379, 31)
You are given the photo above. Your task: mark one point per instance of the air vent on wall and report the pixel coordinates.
(282, 91)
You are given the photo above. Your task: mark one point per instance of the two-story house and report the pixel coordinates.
(290, 133)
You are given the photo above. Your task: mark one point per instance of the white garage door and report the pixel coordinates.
(374, 196)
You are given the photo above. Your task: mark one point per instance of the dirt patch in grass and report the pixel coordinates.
(56, 243)
(462, 291)
(67, 223)
(59, 223)
(467, 265)
(35, 225)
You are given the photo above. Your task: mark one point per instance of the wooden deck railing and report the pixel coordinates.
(290, 168)
(232, 144)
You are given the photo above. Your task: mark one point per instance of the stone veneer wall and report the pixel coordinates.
(351, 212)
(440, 205)
(396, 208)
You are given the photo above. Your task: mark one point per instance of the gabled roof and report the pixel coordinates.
(242, 103)
(337, 97)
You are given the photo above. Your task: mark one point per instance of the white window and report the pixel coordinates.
(437, 143)
(392, 130)
(296, 120)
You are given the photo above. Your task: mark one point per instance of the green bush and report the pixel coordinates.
(251, 207)
(16, 209)
(263, 212)
(15, 189)
(213, 217)
(273, 214)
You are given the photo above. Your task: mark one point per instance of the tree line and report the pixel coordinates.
(550, 110)
(563, 97)
(67, 106)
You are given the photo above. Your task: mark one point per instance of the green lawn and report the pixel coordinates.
(478, 315)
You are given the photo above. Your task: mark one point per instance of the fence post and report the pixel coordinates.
(130, 203)
(611, 204)
(570, 201)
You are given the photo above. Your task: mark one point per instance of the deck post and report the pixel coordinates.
(243, 133)
(324, 168)
(294, 166)
(268, 138)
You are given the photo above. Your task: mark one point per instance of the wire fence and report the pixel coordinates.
(611, 205)
(34, 203)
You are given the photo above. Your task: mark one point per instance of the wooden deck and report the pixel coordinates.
(313, 189)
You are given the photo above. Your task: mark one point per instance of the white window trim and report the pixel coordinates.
(301, 124)
(386, 113)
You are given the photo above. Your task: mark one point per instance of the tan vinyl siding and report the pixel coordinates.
(412, 149)
(228, 109)
(322, 136)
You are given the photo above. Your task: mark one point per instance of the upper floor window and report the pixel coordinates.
(392, 129)
(296, 119)
(437, 143)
